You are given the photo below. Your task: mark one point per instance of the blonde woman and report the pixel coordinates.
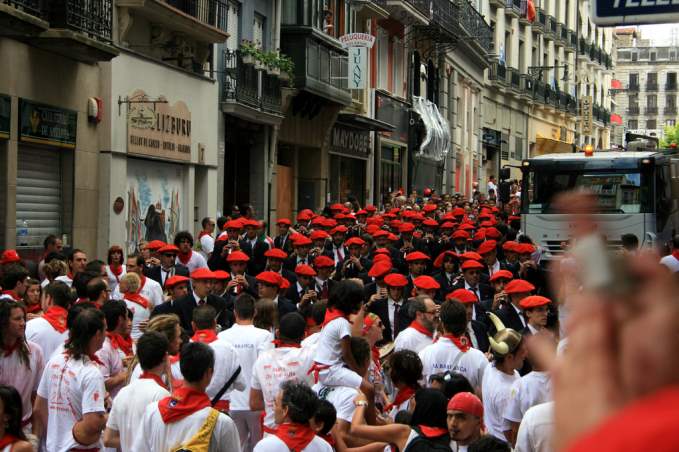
(138, 304)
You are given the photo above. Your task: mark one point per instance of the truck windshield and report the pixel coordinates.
(619, 191)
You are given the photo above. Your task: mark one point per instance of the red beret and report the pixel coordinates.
(234, 224)
(174, 280)
(406, 227)
(221, 275)
(276, 253)
(525, 248)
(252, 223)
(382, 258)
(329, 223)
(513, 218)
(324, 262)
(519, 286)
(354, 241)
(305, 270)
(271, 278)
(370, 208)
(417, 256)
(447, 225)
(492, 233)
(304, 216)
(202, 273)
(466, 402)
(458, 212)
(284, 221)
(426, 283)
(168, 249)
(487, 247)
(380, 269)
(318, 221)
(510, 245)
(339, 230)
(480, 235)
(237, 256)
(337, 207)
(430, 207)
(381, 251)
(471, 265)
(362, 212)
(318, 234)
(396, 280)
(460, 234)
(302, 240)
(466, 227)
(438, 263)
(463, 296)
(534, 301)
(154, 245)
(380, 233)
(9, 256)
(429, 222)
(471, 255)
(393, 237)
(501, 274)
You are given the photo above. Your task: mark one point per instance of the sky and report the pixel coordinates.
(661, 34)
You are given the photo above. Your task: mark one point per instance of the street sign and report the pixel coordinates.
(621, 12)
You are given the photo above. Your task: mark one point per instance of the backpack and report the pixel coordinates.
(200, 442)
(423, 444)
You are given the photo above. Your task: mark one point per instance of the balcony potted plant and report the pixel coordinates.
(287, 68)
(270, 60)
(248, 52)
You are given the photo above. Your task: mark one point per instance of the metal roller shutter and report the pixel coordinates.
(38, 194)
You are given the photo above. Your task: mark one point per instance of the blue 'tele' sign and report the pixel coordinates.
(621, 12)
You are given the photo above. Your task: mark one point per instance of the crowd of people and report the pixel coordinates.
(429, 324)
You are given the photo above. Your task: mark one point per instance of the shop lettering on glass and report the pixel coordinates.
(48, 125)
(158, 129)
(350, 141)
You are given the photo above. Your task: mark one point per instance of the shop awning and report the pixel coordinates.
(436, 143)
(545, 145)
(365, 123)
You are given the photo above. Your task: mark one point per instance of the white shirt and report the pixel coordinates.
(272, 443)
(341, 397)
(14, 372)
(129, 406)
(155, 435)
(113, 364)
(273, 367)
(670, 262)
(139, 315)
(311, 341)
(391, 308)
(150, 290)
(329, 350)
(532, 389)
(64, 279)
(196, 261)
(494, 268)
(72, 388)
(476, 291)
(439, 357)
(535, 431)
(207, 244)
(114, 280)
(41, 332)
(496, 390)
(249, 341)
(492, 186)
(411, 339)
(226, 364)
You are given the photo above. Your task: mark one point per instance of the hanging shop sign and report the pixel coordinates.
(44, 124)
(357, 40)
(155, 128)
(350, 142)
(586, 109)
(5, 115)
(358, 67)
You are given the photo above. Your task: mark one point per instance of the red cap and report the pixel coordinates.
(431, 223)
(396, 280)
(305, 270)
(447, 225)
(382, 251)
(381, 258)
(466, 227)
(168, 249)
(480, 235)
(519, 286)
(284, 221)
(251, 223)
(379, 221)
(461, 234)
(458, 212)
(438, 263)
(466, 402)
(155, 244)
(202, 273)
(425, 282)
(271, 278)
(9, 256)
(463, 296)
(471, 265)
(370, 208)
(302, 240)
(470, 255)
(304, 216)
(525, 248)
(276, 253)
(324, 262)
(533, 302)
(237, 256)
(362, 212)
(430, 207)
(513, 218)
(318, 221)
(501, 274)
(393, 237)
(380, 269)
(234, 224)
(487, 247)
(339, 230)
(406, 227)
(174, 280)
(380, 233)
(221, 275)
(318, 234)
(493, 233)
(417, 256)
(339, 207)
(510, 245)
(354, 241)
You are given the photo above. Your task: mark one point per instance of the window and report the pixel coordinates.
(635, 55)
(632, 124)
(644, 54)
(398, 65)
(382, 59)
(624, 55)
(652, 78)
(392, 172)
(258, 31)
(634, 79)
(671, 80)
(651, 124)
(651, 101)
(671, 122)
(671, 100)
(232, 25)
(518, 148)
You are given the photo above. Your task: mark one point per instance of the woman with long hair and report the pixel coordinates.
(266, 315)
(168, 325)
(33, 299)
(115, 268)
(12, 437)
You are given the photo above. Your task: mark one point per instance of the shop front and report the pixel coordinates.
(349, 152)
(391, 147)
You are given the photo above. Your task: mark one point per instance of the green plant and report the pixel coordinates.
(248, 48)
(285, 64)
(671, 137)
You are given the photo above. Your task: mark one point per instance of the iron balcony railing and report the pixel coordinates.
(515, 78)
(33, 7)
(651, 86)
(91, 17)
(382, 3)
(572, 39)
(210, 12)
(671, 86)
(444, 14)
(670, 109)
(551, 25)
(651, 110)
(633, 87)
(474, 24)
(541, 18)
(563, 100)
(423, 6)
(241, 83)
(633, 110)
(563, 32)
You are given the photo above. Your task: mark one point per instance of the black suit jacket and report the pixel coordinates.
(381, 309)
(331, 285)
(184, 309)
(290, 276)
(286, 245)
(487, 292)
(292, 294)
(510, 318)
(285, 306)
(257, 261)
(291, 262)
(481, 333)
(155, 274)
(217, 261)
(446, 286)
(251, 289)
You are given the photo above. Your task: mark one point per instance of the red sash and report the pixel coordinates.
(401, 396)
(460, 341)
(417, 326)
(136, 298)
(184, 258)
(332, 314)
(182, 403)
(116, 270)
(7, 440)
(118, 342)
(56, 316)
(295, 436)
(154, 377)
(11, 294)
(204, 336)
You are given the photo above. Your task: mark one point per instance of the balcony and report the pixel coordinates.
(412, 12)
(561, 34)
(513, 8)
(670, 110)
(651, 86)
(633, 87)
(320, 63)
(527, 86)
(572, 41)
(377, 9)
(203, 21)
(474, 26)
(651, 110)
(539, 22)
(22, 18)
(563, 100)
(514, 79)
(633, 110)
(550, 28)
(79, 29)
(248, 93)
(671, 86)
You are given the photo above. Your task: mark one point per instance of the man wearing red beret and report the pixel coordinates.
(465, 419)
(282, 240)
(471, 280)
(254, 246)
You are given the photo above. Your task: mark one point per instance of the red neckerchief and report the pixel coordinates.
(295, 436)
(69, 275)
(182, 403)
(118, 342)
(9, 350)
(204, 336)
(174, 358)
(184, 258)
(117, 270)
(401, 396)
(332, 314)
(143, 283)
(460, 341)
(56, 316)
(11, 294)
(33, 308)
(154, 377)
(432, 432)
(202, 233)
(7, 440)
(417, 326)
(675, 253)
(329, 439)
(280, 344)
(376, 358)
(136, 298)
